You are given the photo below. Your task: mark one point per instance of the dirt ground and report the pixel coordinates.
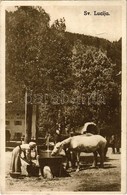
(87, 179)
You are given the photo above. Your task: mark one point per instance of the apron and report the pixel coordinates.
(15, 166)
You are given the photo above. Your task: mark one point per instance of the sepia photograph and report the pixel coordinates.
(63, 66)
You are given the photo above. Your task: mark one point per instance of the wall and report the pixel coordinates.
(17, 124)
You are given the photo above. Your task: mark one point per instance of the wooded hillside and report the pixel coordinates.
(74, 78)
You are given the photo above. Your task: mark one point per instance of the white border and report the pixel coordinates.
(124, 95)
(124, 100)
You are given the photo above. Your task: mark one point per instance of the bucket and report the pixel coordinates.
(15, 175)
(45, 153)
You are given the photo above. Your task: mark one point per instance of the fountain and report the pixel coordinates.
(46, 160)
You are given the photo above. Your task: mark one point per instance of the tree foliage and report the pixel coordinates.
(78, 73)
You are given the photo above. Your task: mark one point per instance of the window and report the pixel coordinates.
(18, 122)
(17, 136)
(7, 122)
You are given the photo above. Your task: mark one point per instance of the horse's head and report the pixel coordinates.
(57, 149)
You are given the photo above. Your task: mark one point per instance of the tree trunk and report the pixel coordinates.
(28, 117)
(37, 122)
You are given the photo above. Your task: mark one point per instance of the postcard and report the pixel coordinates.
(63, 97)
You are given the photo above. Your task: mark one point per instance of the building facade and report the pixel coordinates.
(15, 124)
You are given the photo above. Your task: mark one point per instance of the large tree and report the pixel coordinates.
(95, 85)
(72, 78)
(37, 57)
(26, 38)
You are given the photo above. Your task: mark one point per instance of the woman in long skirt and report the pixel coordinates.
(15, 166)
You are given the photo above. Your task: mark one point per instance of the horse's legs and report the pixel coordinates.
(95, 159)
(78, 158)
(73, 159)
(101, 152)
(102, 159)
(105, 151)
(68, 158)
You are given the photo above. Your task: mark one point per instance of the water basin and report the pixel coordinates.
(54, 162)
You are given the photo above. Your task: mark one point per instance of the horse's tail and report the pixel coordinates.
(104, 143)
(102, 151)
(103, 146)
(106, 148)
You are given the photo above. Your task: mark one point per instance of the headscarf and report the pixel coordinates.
(32, 144)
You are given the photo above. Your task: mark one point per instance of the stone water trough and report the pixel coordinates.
(53, 162)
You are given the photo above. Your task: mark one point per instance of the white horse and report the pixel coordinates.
(83, 143)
